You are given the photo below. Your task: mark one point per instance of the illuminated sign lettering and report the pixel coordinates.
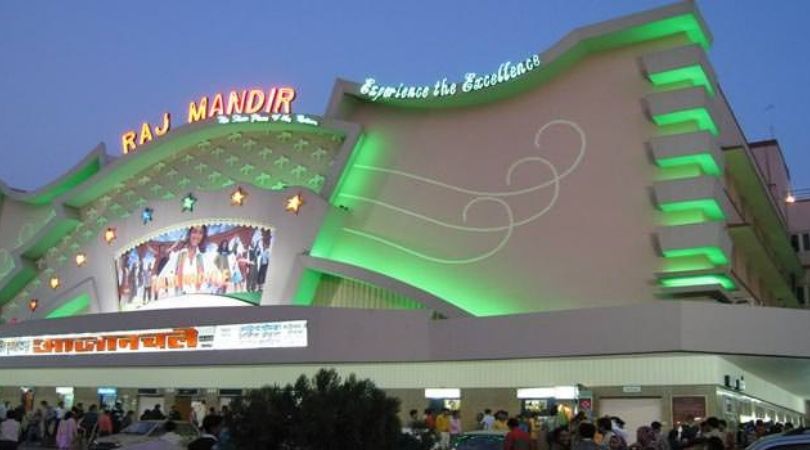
(131, 139)
(441, 88)
(250, 102)
(276, 100)
(218, 337)
(286, 118)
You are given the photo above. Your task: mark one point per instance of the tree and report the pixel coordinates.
(322, 413)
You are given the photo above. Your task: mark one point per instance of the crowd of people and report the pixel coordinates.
(56, 426)
(531, 431)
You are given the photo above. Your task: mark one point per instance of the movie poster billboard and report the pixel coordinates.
(218, 259)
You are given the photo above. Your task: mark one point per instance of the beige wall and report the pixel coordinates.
(602, 219)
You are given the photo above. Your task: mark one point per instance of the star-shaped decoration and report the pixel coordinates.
(147, 215)
(80, 259)
(238, 197)
(109, 235)
(294, 203)
(188, 202)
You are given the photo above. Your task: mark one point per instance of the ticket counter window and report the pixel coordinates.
(537, 406)
(107, 396)
(66, 396)
(441, 398)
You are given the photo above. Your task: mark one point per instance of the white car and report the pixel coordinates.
(148, 434)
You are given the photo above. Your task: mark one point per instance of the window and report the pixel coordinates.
(800, 242)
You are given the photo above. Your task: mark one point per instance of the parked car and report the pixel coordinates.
(145, 432)
(798, 439)
(479, 440)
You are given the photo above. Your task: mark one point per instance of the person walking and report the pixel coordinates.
(66, 432)
(455, 425)
(516, 439)
(443, 428)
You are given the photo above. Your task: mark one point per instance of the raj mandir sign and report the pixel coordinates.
(441, 88)
(216, 337)
(249, 102)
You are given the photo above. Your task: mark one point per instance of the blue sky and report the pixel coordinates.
(73, 74)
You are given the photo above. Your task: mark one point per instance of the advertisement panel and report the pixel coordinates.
(219, 259)
(287, 334)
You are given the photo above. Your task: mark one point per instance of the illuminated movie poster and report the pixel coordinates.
(218, 259)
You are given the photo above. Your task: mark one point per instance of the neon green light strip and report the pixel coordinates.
(678, 172)
(686, 264)
(708, 206)
(713, 254)
(699, 116)
(699, 280)
(705, 160)
(72, 307)
(694, 75)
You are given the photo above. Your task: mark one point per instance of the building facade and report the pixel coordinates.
(586, 227)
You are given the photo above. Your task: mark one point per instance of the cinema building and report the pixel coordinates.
(587, 227)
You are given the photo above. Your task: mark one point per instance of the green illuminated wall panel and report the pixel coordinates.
(693, 75)
(691, 211)
(714, 254)
(695, 258)
(699, 280)
(698, 116)
(71, 307)
(704, 161)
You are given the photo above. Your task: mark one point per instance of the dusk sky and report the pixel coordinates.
(73, 74)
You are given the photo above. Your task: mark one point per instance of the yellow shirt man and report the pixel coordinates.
(443, 423)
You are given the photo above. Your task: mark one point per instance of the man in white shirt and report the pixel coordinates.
(488, 420)
(59, 411)
(200, 410)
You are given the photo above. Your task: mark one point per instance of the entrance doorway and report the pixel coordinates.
(635, 412)
(183, 405)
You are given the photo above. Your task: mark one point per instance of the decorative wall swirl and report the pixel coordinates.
(478, 196)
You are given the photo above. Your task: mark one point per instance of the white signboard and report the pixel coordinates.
(289, 334)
